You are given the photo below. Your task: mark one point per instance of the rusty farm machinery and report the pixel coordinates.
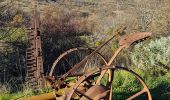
(73, 78)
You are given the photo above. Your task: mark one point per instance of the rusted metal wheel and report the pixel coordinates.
(73, 56)
(89, 94)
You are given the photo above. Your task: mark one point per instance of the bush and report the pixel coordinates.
(61, 31)
(153, 56)
(12, 58)
(13, 35)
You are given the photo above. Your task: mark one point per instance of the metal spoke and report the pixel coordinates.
(137, 94)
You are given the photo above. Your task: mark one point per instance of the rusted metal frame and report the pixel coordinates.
(76, 90)
(137, 94)
(110, 72)
(115, 54)
(97, 49)
(113, 57)
(79, 82)
(125, 41)
(59, 58)
(60, 81)
(32, 54)
(130, 38)
(145, 90)
(35, 49)
(109, 84)
(38, 46)
(68, 52)
(40, 70)
(74, 75)
(100, 96)
(109, 63)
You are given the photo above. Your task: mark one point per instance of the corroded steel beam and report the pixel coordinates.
(130, 38)
(34, 55)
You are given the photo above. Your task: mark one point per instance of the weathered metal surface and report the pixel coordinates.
(60, 81)
(125, 41)
(34, 55)
(72, 51)
(94, 90)
(86, 76)
(120, 30)
(130, 38)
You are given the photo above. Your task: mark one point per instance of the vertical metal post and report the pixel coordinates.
(35, 71)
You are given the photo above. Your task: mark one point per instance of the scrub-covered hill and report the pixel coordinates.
(138, 15)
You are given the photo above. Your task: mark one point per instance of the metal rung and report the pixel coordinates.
(30, 60)
(28, 49)
(31, 65)
(31, 74)
(30, 56)
(33, 70)
(29, 53)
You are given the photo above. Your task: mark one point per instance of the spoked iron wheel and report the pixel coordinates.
(73, 56)
(97, 92)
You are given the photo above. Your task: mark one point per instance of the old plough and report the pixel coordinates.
(71, 80)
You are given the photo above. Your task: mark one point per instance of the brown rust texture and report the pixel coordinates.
(96, 91)
(130, 38)
(34, 56)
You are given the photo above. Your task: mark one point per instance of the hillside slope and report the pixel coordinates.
(138, 15)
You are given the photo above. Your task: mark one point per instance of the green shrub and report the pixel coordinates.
(12, 58)
(125, 85)
(13, 35)
(153, 56)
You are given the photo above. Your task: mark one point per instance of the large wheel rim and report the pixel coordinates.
(84, 77)
(69, 52)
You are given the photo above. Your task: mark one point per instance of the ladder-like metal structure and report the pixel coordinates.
(34, 55)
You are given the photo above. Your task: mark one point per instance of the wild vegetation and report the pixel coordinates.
(67, 24)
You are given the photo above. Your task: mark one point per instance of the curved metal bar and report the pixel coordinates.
(84, 77)
(145, 88)
(130, 38)
(70, 51)
(120, 30)
(126, 41)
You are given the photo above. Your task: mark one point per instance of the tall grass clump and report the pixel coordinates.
(153, 57)
(26, 92)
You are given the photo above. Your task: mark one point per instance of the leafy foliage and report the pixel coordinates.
(12, 55)
(153, 56)
(13, 35)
